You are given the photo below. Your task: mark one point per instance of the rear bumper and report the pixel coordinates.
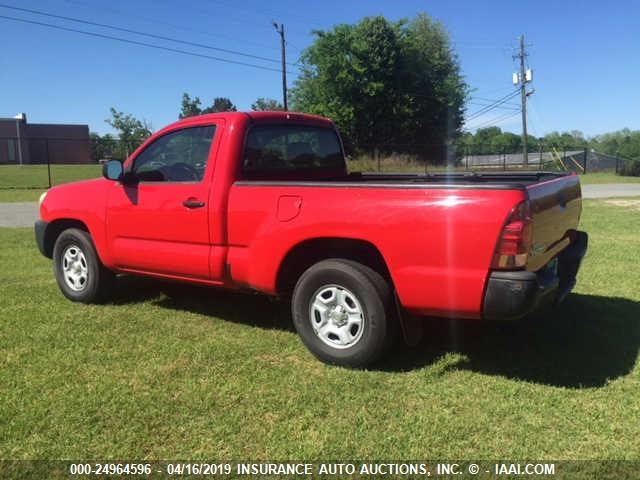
(512, 295)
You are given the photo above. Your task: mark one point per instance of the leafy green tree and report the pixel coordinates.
(533, 143)
(131, 131)
(102, 147)
(388, 86)
(491, 141)
(485, 141)
(508, 142)
(193, 106)
(434, 91)
(221, 104)
(565, 140)
(624, 143)
(190, 106)
(266, 105)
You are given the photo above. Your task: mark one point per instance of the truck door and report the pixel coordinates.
(158, 222)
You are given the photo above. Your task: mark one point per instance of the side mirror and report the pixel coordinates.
(112, 170)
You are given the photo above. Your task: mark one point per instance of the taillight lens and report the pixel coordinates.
(515, 239)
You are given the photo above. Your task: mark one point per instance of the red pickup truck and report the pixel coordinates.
(263, 201)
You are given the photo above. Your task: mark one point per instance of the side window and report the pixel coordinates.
(179, 156)
(272, 150)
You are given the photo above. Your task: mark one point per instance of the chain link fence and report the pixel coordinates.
(428, 158)
(39, 163)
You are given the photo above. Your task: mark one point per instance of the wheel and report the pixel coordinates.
(341, 310)
(78, 270)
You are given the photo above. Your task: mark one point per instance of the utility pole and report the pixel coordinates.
(280, 30)
(525, 76)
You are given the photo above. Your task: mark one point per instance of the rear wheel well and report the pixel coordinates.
(310, 252)
(55, 228)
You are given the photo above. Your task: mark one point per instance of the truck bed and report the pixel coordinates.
(475, 180)
(508, 180)
(555, 206)
(495, 179)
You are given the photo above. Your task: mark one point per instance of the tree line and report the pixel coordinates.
(131, 132)
(623, 143)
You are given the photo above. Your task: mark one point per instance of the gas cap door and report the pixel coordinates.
(289, 207)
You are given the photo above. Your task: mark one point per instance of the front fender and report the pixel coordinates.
(83, 202)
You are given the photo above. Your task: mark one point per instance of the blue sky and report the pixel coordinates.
(584, 55)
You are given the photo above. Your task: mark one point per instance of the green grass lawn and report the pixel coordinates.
(25, 183)
(607, 177)
(223, 376)
(20, 195)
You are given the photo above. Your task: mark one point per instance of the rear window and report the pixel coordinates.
(280, 150)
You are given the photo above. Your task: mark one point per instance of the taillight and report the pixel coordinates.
(515, 239)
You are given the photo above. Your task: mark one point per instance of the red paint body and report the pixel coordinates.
(437, 242)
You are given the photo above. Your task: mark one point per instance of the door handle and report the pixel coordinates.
(193, 203)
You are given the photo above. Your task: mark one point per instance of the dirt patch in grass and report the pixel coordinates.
(633, 204)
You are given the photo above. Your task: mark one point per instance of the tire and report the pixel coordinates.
(394, 331)
(80, 274)
(341, 310)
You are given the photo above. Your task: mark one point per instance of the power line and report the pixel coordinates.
(478, 45)
(239, 20)
(495, 104)
(144, 34)
(507, 106)
(492, 92)
(484, 99)
(495, 120)
(289, 44)
(271, 12)
(535, 115)
(111, 10)
(143, 44)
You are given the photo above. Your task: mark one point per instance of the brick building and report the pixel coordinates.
(33, 143)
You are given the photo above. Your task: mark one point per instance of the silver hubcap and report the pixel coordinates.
(336, 316)
(74, 268)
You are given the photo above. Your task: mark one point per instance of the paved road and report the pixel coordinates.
(607, 190)
(24, 214)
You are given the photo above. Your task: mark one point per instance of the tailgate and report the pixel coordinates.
(555, 209)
